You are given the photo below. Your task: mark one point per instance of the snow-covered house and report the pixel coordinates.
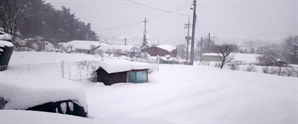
(211, 57)
(127, 50)
(117, 71)
(88, 47)
(161, 50)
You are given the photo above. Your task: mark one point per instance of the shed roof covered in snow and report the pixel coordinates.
(114, 66)
(167, 47)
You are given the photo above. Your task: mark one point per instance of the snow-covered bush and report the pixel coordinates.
(250, 68)
(205, 63)
(234, 67)
(217, 65)
(265, 69)
(70, 48)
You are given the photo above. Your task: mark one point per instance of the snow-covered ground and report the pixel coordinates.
(186, 94)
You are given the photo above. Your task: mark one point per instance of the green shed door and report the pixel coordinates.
(138, 77)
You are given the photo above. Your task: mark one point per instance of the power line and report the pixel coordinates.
(157, 8)
(150, 18)
(177, 9)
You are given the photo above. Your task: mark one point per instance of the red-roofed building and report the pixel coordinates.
(161, 50)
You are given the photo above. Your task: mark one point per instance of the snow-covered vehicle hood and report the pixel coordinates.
(25, 91)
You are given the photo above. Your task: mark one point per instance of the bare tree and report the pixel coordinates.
(11, 14)
(224, 52)
(272, 56)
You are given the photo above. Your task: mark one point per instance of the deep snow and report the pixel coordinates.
(193, 94)
(25, 91)
(179, 93)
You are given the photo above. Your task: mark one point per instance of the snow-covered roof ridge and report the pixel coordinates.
(105, 47)
(114, 66)
(167, 47)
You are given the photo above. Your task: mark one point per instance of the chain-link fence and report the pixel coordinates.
(76, 71)
(69, 70)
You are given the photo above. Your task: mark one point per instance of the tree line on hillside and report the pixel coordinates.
(275, 54)
(39, 20)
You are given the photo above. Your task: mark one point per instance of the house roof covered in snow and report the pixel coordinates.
(85, 45)
(211, 54)
(106, 47)
(167, 47)
(114, 66)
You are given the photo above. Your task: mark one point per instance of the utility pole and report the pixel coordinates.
(193, 31)
(213, 37)
(125, 41)
(201, 50)
(209, 41)
(145, 32)
(187, 38)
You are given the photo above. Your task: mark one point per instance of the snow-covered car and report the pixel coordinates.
(38, 93)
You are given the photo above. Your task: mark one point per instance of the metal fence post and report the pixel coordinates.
(157, 63)
(62, 69)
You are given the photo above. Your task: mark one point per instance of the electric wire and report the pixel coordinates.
(149, 18)
(155, 8)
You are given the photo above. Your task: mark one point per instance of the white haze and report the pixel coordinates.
(227, 20)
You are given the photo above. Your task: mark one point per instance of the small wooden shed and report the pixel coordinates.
(122, 71)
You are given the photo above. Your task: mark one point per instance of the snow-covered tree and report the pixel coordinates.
(11, 14)
(290, 46)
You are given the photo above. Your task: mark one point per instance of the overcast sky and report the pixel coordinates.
(225, 19)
